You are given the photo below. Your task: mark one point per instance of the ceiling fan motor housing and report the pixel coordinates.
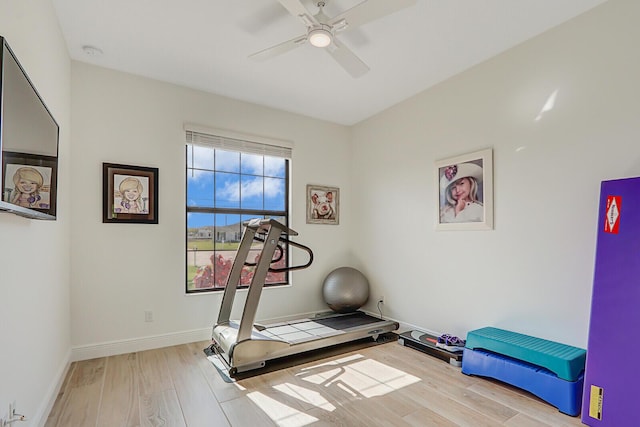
(320, 35)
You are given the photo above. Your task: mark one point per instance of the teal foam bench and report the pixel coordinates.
(566, 361)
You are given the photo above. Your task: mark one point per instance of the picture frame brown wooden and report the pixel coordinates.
(130, 194)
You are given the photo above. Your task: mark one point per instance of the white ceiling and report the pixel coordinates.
(204, 44)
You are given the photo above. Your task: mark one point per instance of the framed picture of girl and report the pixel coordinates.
(30, 181)
(465, 192)
(130, 194)
(323, 205)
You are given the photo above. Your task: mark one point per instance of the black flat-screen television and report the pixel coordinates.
(29, 144)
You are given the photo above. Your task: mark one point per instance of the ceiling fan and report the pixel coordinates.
(322, 30)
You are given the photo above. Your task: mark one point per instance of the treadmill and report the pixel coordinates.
(244, 345)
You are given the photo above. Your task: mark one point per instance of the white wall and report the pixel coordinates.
(120, 270)
(34, 255)
(533, 272)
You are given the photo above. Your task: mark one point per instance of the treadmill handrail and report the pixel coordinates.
(295, 267)
(281, 253)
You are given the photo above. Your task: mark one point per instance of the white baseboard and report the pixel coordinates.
(40, 418)
(112, 348)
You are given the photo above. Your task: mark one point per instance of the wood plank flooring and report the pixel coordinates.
(382, 385)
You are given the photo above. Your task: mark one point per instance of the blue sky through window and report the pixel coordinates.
(225, 179)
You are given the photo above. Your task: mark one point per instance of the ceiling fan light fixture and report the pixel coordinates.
(321, 36)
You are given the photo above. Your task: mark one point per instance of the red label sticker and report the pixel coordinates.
(612, 220)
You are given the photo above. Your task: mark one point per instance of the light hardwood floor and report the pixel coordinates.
(382, 385)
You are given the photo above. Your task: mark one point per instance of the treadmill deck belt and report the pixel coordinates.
(347, 321)
(311, 329)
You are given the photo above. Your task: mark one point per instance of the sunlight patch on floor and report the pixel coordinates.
(281, 414)
(358, 376)
(355, 375)
(305, 395)
(323, 372)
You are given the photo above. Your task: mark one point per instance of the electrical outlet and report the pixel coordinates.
(148, 316)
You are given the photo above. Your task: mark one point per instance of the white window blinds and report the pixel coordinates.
(214, 139)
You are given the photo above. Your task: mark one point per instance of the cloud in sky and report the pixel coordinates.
(251, 187)
(201, 161)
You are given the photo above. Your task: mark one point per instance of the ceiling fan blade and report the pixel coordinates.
(263, 17)
(368, 11)
(347, 59)
(279, 49)
(297, 9)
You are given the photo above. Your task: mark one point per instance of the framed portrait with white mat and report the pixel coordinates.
(465, 191)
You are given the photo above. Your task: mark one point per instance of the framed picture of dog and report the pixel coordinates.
(323, 204)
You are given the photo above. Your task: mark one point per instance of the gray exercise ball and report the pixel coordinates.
(345, 289)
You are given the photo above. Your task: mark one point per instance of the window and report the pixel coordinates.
(230, 181)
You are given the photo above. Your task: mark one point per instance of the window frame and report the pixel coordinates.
(239, 211)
